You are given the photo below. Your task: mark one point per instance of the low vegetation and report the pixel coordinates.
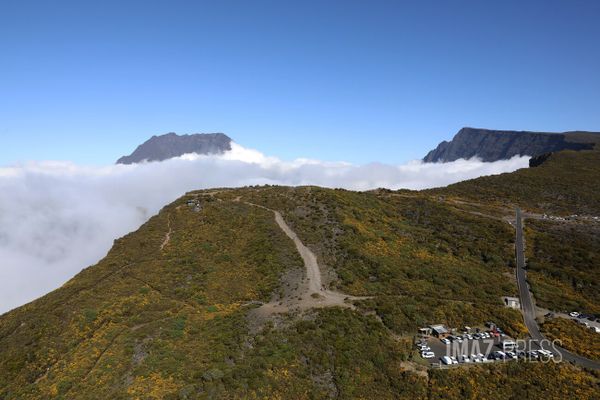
(514, 380)
(424, 261)
(564, 256)
(565, 184)
(573, 337)
(168, 313)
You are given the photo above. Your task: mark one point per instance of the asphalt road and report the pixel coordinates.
(528, 306)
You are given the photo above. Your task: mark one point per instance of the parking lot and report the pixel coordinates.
(473, 348)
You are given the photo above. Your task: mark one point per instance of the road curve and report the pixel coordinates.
(528, 305)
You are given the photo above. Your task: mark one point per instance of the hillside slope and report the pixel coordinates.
(176, 309)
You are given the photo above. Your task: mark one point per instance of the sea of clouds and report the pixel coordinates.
(57, 217)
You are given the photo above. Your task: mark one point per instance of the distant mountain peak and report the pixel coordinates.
(169, 145)
(493, 145)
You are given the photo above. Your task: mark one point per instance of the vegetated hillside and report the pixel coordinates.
(493, 145)
(564, 264)
(562, 253)
(163, 147)
(173, 310)
(423, 261)
(566, 183)
(573, 336)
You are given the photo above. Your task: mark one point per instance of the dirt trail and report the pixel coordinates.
(313, 271)
(310, 292)
(168, 235)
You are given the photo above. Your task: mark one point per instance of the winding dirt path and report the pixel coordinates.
(311, 293)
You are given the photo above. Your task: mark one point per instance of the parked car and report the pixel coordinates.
(427, 354)
(464, 359)
(469, 336)
(533, 355)
(511, 355)
(445, 341)
(446, 360)
(574, 314)
(545, 353)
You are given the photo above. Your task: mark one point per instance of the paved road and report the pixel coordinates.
(528, 306)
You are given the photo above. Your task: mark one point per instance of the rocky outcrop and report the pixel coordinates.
(163, 147)
(538, 160)
(493, 145)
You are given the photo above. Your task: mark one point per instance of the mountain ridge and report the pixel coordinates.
(493, 145)
(169, 145)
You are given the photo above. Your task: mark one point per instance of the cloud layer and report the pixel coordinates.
(57, 217)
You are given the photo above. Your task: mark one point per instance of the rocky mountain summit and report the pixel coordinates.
(163, 147)
(493, 145)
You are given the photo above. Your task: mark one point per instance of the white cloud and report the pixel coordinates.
(57, 217)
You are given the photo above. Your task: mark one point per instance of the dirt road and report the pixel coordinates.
(310, 292)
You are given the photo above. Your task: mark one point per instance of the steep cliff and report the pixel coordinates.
(493, 145)
(163, 147)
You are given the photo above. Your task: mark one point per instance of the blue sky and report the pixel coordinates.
(346, 80)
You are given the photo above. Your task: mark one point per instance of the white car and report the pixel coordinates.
(469, 336)
(445, 341)
(464, 359)
(574, 314)
(475, 358)
(545, 353)
(427, 354)
(425, 348)
(454, 360)
(511, 355)
(446, 360)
